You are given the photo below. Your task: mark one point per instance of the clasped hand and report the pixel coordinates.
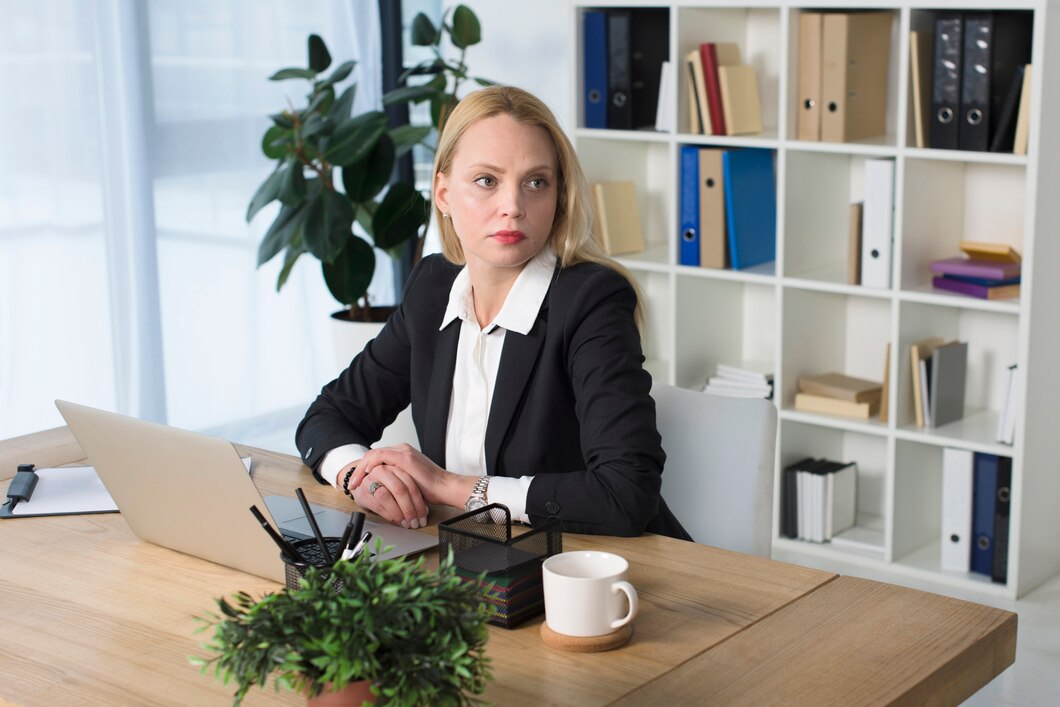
(397, 483)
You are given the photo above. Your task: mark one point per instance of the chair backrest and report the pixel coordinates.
(718, 477)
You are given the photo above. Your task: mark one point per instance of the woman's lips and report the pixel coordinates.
(509, 237)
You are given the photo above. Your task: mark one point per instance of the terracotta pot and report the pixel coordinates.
(353, 695)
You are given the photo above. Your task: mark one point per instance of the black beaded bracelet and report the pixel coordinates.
(346, 482)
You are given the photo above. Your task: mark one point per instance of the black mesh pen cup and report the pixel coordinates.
(506, 570)
(310, 550)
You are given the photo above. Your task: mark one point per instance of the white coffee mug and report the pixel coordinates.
(584, 593)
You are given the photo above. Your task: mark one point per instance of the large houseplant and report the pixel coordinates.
(333, 170)
(415, 635)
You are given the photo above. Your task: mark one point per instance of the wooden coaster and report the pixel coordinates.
(586, 644)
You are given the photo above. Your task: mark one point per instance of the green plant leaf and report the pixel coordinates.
(466, 30)
(366, 177)
(343, 105)
(317, 125)
(266, 193)
(282, 232)
(275, 141)
(350, 274)
(408, 135)
(339, 74)
(323, 97)
(416, 94)
(424, 68)
(319, 56)
(289, 259)
(484, 82)
(355, 138)
(423, 32)
(399, 216)
(293, 73)
(329, 225)
(283, 120)
(292, 191)
(441, 107)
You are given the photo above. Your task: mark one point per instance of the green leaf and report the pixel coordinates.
(399, 216)
(293, 252)
(350, 274)
(344, 70)
(275, 141)
(293, 73)
(268, 192)
(408, 135)
(282, 232)
(423, 32)
(322, 99)
(366, 177)
(283, 120)
(319, 56)
(440, 109)
(355, 138)
(292, 191)
(484, 82)
(424, 68)
(343, 105)
(416, 94)
(466, 30)
(317, 125)
(329, 225)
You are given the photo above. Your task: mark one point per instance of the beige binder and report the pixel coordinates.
(855, 53)
(739, 99)
(809, 96)
(712, 236)
(616, 220)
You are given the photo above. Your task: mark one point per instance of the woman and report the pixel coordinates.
(518, 350)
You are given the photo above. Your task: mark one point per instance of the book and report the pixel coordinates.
(740, 102)
(695, 125)
(841, 387)
(885, 407)
(854, 244)
(695, 63)
(974, 267)
(982, 250)
(920, 51)
(805, 402)
(949, 365)
(1023, 118)
(990, 292)
(985, 281)
(708, 53)
(751, 370)
(917, 351)
(925, 392)
(750, 206)
(616, 221)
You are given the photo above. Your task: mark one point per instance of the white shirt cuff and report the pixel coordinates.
(337, 458)
(512, 493)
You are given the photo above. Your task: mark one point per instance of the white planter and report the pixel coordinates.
(349, 339)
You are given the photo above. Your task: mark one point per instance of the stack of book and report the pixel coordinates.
(986, 270)
(819, 499)
(722, 92)
(750, 379)
(839, 394)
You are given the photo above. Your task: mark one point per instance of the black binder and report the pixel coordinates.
(1002, 506)
(1004, 137)
(619, 71)
(649, 48)
(946, 89)
(974, 125)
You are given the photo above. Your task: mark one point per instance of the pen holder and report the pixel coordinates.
(310, 550)
(506, 570)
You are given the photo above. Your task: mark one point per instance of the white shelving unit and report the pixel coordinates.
(799, 313)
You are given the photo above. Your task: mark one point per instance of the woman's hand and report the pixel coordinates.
(390, 493)
(411, 466)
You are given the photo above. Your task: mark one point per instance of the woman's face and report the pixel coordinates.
(500, 193)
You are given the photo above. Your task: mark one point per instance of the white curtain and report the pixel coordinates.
(132, 146)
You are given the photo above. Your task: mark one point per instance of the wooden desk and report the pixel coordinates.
(93, 615)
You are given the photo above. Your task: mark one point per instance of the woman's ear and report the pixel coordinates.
(441, 192)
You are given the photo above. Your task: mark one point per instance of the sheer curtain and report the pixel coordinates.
(127, 271)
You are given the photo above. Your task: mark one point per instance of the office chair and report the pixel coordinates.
(718, 477)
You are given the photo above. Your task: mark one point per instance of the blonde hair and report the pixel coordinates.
(571, 237)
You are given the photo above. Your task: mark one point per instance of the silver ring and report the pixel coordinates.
(373, 487)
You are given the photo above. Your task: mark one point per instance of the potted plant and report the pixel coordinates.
(333, 170)
(414, 636)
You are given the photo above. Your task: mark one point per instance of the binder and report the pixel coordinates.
(1002, 509)
(791, 497)
(688, 253)
(983, 507)
(711, 209)
(616, 221)
(595, 68)
(649, 47)
(949, 365)
(877, 224)
(855, 52)
(946, 88)
(739, 98)
(956, 526)
(809, 97)
(750, 207)
(1004, 136)
(974, 124)
(619, 71)
(56, 491)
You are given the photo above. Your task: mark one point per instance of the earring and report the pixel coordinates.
(445, 215)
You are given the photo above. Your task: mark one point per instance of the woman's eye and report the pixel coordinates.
(486, 181)
(538, 183)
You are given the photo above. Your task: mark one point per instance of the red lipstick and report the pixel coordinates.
(509, 237)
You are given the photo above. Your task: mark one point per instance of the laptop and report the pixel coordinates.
(191, 493)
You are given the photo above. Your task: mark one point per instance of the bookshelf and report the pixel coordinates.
(799, 313)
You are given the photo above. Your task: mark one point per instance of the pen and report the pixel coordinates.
(353, 552)
(353, 529)
(313, 524)
(285, 547)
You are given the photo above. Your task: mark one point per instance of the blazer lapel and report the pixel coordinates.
(517, 364)
(440, 393)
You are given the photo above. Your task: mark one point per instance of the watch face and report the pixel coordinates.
(475, 503)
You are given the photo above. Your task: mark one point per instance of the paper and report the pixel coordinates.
(72, 489)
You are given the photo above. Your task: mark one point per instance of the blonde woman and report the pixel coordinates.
(517, 348)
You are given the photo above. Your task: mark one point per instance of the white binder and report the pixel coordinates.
(957, 476)
(877, 224)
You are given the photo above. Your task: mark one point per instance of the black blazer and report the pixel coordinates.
(571, 405)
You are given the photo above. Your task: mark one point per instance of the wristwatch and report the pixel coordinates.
(477, 499)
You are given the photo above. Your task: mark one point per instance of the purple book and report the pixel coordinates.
(990, 269)
(980, 291)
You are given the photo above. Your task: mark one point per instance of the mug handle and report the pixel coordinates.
(631, 595)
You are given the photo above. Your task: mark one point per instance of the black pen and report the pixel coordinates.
(285, 547)
(353, 528)
(313, 524)
(350, 553)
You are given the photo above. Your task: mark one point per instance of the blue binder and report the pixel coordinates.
(689, 236)
(750, 207)
(595, 78)
(983, 494)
